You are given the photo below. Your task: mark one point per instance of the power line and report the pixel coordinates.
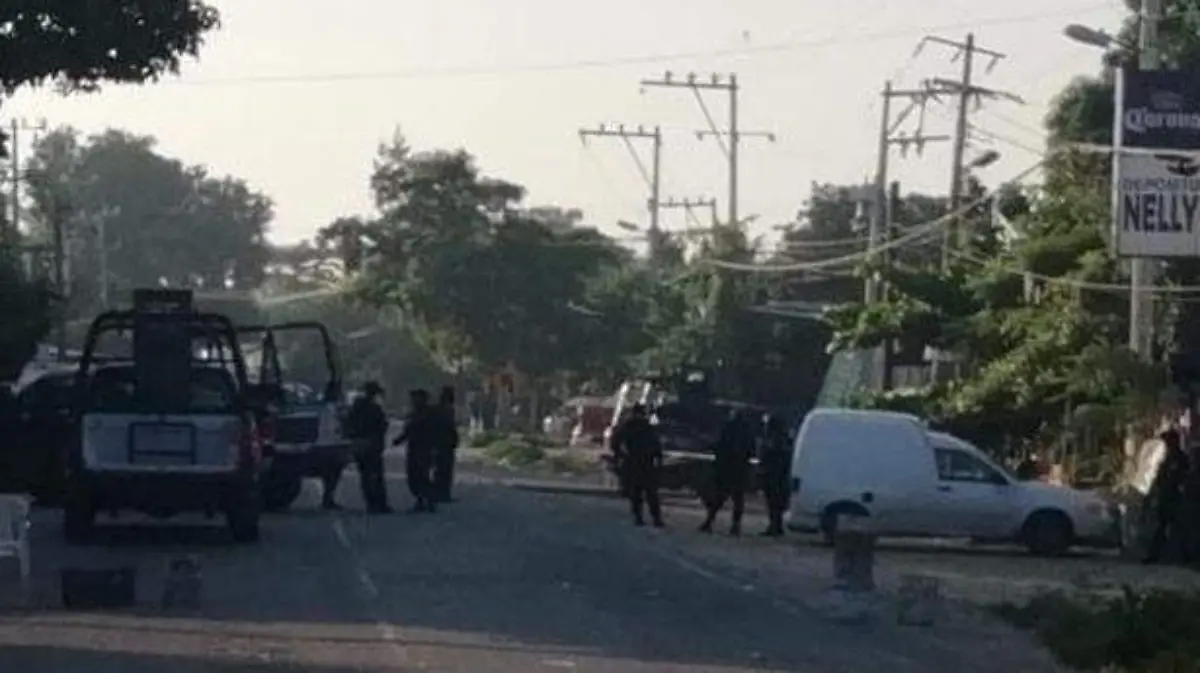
(643, 59)
(915, 233)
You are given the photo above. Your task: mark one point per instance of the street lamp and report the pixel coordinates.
(1092, 36)
(628, 226)
(984, 160)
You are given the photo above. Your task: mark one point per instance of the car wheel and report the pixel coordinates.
(1048, 534)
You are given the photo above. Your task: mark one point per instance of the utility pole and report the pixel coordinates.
(728, 84)
(881, 211)
(18, 125)
(653, 177)
(1141, 271)
(14, 150)
(956, 236)
(58, 212)
(889, 345)
(688, 205)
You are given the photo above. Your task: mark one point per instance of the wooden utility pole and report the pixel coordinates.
(653, 176)
(956, 236)
(690, 205)
(728, 84)
(879, 232)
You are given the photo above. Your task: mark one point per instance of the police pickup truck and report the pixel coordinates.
(167, 421)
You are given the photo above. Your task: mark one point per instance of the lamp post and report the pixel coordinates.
(1141, 270)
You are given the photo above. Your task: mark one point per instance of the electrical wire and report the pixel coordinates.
(591, 64)
(712, 123)
(1073, 283)
(916, 233)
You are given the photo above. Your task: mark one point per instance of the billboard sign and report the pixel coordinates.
(1160, 109)
(1158, 206)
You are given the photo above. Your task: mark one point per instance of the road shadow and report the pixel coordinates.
(177, 537)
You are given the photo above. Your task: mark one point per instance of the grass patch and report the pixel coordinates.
(514, 452)
(1138, 632)
(565, 462)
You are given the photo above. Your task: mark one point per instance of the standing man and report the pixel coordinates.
(637, 447)
(421, 431)
(775, 461)
(1167, 490)
(731, 466)
(445, 456)
(368, 426)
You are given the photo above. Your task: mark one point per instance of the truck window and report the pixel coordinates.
(211, 390)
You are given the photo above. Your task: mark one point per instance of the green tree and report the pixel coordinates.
(160, 219)
(78, 45)
(484, 282)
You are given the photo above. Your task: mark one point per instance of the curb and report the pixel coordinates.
(563, 489)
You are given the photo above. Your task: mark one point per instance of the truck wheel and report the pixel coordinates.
(243, 517)
(278, 493)
(1048, 533)
(79, 517)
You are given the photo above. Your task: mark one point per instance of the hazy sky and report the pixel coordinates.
(295, 95)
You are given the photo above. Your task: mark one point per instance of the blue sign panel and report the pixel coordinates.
(1162, 109)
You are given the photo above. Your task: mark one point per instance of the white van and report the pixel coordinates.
(913, 482)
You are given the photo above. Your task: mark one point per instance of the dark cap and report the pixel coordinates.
(372, 388)
(638, 409)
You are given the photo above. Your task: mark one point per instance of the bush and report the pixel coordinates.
(1139, 632)
(490, 438)
(515, 452)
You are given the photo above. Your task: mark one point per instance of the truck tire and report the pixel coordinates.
(279, 492)
(79, 518)
(243, 516)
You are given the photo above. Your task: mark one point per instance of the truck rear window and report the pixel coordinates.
(210, 390)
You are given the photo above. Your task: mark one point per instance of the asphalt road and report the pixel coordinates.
(502, 581)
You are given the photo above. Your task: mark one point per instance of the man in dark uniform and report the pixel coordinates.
(444, 459)
(731, 466)
(637, 448)
(368, 426)
(775, 462)
(1167, 494)
(421, 432)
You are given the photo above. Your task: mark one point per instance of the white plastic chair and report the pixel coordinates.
(14, 535)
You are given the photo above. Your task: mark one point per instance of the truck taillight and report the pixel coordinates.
(266, 429)
(249, 445)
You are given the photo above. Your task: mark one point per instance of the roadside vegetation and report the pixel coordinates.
(518, 451)
(1154, 631)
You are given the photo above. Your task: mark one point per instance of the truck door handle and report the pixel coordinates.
(945, 489)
